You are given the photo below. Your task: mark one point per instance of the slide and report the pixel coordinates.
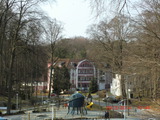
(89, 105)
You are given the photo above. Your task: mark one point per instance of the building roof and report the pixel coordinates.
(69, 63)
(62, 62)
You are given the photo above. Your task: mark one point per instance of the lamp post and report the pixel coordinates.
(53, 112)
(124, 109)
(17, 101)
(129, 93)
(42, 91)
(128, 97)
(42, 96)
(128, 90)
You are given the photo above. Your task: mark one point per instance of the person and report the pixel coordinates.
(106, 114)
(65, 105)
(89, 97)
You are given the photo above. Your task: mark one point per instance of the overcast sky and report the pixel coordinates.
(75, 16)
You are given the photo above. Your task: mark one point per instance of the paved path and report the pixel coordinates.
(145, 115)
(61, 113)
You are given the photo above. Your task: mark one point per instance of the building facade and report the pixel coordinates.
(58, 63)
(104, 79)
(81, 74)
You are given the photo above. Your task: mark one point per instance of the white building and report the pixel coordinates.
(116, 85)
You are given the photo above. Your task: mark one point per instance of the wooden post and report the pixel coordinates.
(28, 115)
(54, 113)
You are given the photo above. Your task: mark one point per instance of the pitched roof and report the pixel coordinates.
(62, 62)
(69, 63)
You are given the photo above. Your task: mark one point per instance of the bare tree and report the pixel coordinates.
(112, 37)
(14, 18)
(53, 34)
(101, 7)
(148, 44)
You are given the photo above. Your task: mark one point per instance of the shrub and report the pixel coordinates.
(119, 98)
(102, 93)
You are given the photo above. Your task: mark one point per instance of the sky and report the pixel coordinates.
(75, 16)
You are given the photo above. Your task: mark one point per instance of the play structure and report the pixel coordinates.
(89, 105)
(77, 103)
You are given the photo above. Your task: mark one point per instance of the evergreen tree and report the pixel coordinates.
(93, 86)
(61, 79)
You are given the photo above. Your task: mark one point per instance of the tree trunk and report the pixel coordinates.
(10, 80)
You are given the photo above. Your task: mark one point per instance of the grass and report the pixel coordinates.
(112, 113)
(142, 102)
(146, 102)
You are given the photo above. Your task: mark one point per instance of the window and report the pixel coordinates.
(90, 71)
(79, 71)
